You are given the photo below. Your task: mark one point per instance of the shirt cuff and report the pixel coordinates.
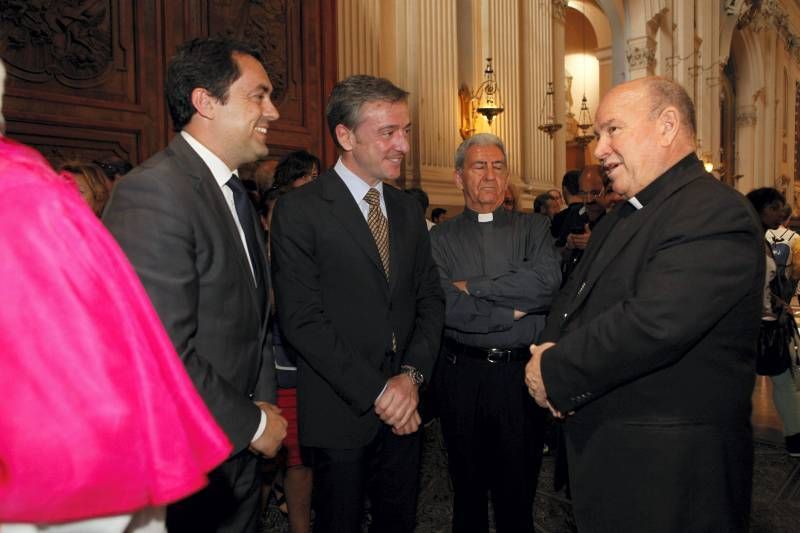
(382, 391)
(262, 425)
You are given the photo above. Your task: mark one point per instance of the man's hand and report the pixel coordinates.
(579, 240)
(533, 375)
(411, 426)
(270, 441)
(519, 314)
(398, 402)
(461, 285)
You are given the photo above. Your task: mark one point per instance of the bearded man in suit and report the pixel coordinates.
(358, 296)
(651, 342)
(184, 220)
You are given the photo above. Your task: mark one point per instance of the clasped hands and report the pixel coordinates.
(397, 406)
(533, 378)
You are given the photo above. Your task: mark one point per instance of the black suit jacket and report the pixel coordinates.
(656, 333)
(171, 219)
(338, 310)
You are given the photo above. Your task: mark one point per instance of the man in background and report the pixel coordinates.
(499, 272)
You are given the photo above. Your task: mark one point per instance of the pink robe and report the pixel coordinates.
(97, 414)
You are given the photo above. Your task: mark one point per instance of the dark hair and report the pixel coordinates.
(664, 92)
(420, 196)
(113, 167)
(437, 212)
(207, 63)
(540, 203)
(294, 166)
(347, 97)
(765, 197)
(570, 182)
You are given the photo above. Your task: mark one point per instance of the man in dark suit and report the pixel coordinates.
(358, 296)
(652, 340)
(184, 221)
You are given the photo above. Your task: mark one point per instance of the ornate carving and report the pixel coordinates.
(746, 116)
(264, 24)
(771, 13)
(640, 57)
(68, 40)
(560, 9)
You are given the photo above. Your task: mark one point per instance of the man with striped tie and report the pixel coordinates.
(358, 296)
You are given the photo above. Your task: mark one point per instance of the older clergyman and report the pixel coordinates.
(655, 332)
(500, 273)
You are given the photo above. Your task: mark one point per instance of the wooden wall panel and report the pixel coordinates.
(86, 77)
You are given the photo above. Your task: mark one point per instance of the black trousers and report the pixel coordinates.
(494, 433)
(387, 470)
(228, 504)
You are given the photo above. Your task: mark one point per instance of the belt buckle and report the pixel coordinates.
(498, 356)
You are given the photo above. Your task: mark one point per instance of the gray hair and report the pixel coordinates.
(347, 97)
(665, 92)
(2, 86)
(480, 139)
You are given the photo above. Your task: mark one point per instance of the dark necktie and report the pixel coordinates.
(246, 215)
(379, 227)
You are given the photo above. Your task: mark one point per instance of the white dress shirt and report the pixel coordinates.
(222, 174)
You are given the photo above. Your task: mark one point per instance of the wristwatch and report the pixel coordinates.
(413, 374)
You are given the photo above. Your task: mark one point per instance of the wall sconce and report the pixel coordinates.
(484, 100)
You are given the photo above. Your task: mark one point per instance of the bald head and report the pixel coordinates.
(644, 128)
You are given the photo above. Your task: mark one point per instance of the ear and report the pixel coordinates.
(669, 124)
(345, 137)
(204, 103)
(459, 180)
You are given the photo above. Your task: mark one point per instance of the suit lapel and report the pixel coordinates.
(207, 188)
(347, 212)
(619, 234)
(396, 223)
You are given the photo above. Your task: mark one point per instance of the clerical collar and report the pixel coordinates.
(484, 217)
(647, 194)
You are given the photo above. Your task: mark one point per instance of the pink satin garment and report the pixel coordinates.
(97, 414)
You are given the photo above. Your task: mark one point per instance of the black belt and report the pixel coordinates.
(493, 355)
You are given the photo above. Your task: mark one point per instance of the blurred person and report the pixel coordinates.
(770, 205)
(592, 192)
(511, 198)
(438, 215)
(648, 351)
(562, 220)
(544, 204)
(91, 182)
(358, 296)
(499, 272)
(785, 244)
(422, 198)
(558, 197)
(114, 168)
(186, 222)
(295, 169)
(101, 425)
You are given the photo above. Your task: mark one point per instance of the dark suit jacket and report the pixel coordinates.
(337, 309)
(656, 333)
(171, 219)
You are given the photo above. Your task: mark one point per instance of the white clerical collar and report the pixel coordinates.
(485, 217)
(635, 203)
